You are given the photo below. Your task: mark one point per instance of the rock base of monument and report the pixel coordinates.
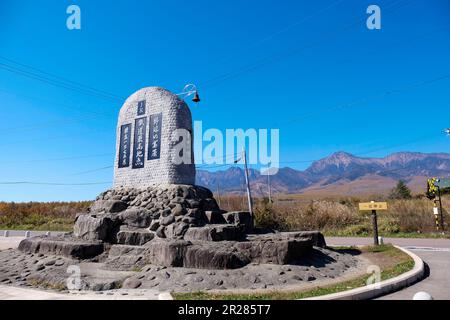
(171, 226)
(135, 216)
(123, 267)
(129, 236)
(200, 252)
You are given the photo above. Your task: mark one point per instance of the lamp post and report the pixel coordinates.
(189, 90)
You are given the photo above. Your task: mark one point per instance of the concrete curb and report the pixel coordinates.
(384, 287)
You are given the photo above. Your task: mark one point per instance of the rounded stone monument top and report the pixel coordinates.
(154, 132)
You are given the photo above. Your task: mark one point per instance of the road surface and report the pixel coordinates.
(434, 252)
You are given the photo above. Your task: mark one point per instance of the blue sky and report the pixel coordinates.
(257, 64)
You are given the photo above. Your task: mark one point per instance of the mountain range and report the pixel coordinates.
(339, 174)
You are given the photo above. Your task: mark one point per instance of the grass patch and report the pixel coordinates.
(401, 264)
(40, 216)
(40, 283)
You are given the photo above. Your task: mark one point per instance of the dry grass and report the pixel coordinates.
(51, 216)
(340, 216)
(331, 215)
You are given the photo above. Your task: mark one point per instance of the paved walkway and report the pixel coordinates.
(402, 242)
(434, 252)
(14, 293)
(10, 242)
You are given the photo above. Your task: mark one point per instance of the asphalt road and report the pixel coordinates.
(434, 252)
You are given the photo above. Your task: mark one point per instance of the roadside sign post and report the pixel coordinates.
(373, 206)
(440, 209)
(375, 227)
(441, 183)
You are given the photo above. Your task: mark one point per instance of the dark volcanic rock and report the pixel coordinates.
(158, 252)
(317, 238)
(136, 217)
(67, 248)
(215, 217)
(134, 237)
(214, 233)
(131, 283)
(212, 257)
(161, 232)
(92, 227)
(108, 206)
(277, 251)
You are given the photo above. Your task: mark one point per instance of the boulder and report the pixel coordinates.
(167, 220)
(178, 210)
(214, 233)
(92, 227)
(316, 237)
(212, 257)
(215, 217)
(108, 206)
(136, 217)
(131, 283)
(277, 251)
(64, 247)
(134, 237)
(161, 232)
(154, 225)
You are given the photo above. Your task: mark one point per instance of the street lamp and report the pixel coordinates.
(189, 90)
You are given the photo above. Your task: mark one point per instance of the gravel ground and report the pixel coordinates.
(321, 267)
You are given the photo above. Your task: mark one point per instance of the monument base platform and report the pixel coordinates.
(275, 248)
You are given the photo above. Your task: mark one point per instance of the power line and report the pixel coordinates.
(93, 170)
(53, 82)
(53, 183)
(62, 79)
(277, 57)
(285, 29)
(367, 98)
(60, 159)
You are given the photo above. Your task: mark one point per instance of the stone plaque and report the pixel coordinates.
(154, 141)
(124, 148)
(141, 108)
(140, 132)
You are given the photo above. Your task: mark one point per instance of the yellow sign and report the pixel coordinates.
(367, 206)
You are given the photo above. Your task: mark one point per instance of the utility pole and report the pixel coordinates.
(440, 209)
(375, 227)
(218, 193)
(268, 185)
(247, 181)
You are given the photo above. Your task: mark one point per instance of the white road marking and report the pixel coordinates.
(414, 248)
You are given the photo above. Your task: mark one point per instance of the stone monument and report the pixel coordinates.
(150, 124)
(155, 214)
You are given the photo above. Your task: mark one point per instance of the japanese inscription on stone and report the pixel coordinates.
(140, 127)
(141, 108)
(124, 149)
(154, 145)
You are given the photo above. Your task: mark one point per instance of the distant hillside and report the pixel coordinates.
(341, 173)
